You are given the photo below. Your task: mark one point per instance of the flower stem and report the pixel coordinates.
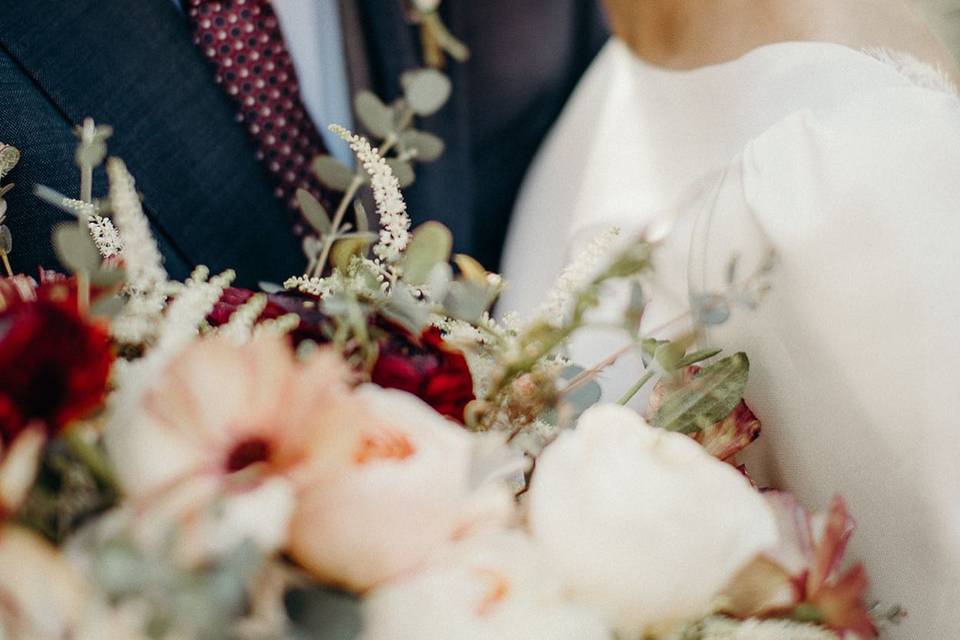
(632, 391)
(90, 456)
(6, 263)
(348, 197)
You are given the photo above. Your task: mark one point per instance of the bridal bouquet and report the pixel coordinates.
(366, 452)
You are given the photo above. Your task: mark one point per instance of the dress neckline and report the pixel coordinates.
(919, 72)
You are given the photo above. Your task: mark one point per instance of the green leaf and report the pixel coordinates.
(108, 307)
(426, 147)
(582, 397)
(697, 356)
(375, 116)
(360, 216)
(332, 173)
(669, 354)
(431, 245)
(314, 212)
(403, 308)
(471, 269)
(707, 398)
(323, 614)
(107, 277)
(6, 239)
(345, 248)
(711, 309)
(75, 248)
(466, 300)
(403, 171)
(426, 90)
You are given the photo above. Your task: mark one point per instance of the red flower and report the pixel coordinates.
(314, 324)
(427, 368)
(803, 577)
(53, 363)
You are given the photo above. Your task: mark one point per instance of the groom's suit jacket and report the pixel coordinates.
(132, 64)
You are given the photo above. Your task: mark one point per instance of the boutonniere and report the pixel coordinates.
(9, 157)
(436, 39)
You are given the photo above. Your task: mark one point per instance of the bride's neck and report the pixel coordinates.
(684, 34)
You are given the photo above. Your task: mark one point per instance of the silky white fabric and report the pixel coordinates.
(848, 165)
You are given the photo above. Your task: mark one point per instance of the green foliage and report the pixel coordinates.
(376, 117)
(313, 211)
(332, 173)
(708, 398)
(426, 90)
(431, 245)
(75, 248)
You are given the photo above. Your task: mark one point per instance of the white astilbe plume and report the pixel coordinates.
(278, 326)
(146, 279)
(240, 326)
(105, 236)
(181, 323)
(391, 209)
(577, 275)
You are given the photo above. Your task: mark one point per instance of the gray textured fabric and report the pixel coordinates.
(133, 65)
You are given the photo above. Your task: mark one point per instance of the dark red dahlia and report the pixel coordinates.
(427, 368)
(314, 324)
(54, 364)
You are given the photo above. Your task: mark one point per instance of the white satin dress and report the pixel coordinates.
(847, 164)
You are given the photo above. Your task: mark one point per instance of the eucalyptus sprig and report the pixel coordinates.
(9, 158)
(400, 144)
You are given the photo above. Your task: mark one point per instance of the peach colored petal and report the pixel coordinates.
(18, 468)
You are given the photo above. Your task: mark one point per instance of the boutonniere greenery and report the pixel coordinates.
(436, 39)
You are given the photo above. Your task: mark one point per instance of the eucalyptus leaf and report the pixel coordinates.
(345, 248)
(91, 154)
(710, 309)
(108, 306)
(426, 90)
(6, 239)
(324, 614)
(431, 245)
(426, 147)
(403, 308)
(439, 280)
(467, 300)
(583, 396)
(471, 269)
(707, 398)
(75, 248)
(314, 212)
(333, 173)
(633, 315)
(403, 171)
(375, 116)
(698, 356)
(107, 277)
(270, 287)
(360, 216)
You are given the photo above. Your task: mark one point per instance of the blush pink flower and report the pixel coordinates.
(403, 482)
(803, 576)
(234, 426)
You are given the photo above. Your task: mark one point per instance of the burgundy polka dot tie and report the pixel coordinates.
(242, 39)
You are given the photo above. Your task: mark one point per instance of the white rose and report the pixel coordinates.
(495, 586)
(642, 523)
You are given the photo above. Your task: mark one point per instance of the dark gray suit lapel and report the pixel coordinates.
(133, 65)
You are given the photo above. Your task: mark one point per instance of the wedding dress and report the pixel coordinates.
(847, 164)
